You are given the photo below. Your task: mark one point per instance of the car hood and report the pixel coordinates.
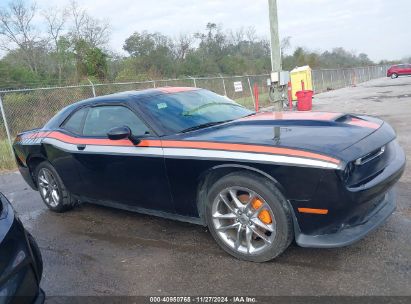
(322, 132)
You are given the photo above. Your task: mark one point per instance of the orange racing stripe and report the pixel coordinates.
(193, 145)
(246, 148)
(293, 116)
(363, 123)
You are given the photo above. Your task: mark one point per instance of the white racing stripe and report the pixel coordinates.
(193, 154)
(98, 149)
(245, 156)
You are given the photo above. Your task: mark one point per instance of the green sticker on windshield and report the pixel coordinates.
(162, 105)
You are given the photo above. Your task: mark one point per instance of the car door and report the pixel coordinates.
(402, 69)
(121, 172)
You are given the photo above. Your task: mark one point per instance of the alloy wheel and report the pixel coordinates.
(243, 220)
(48, 187)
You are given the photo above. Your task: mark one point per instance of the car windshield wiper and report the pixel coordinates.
(210, 104)
(204, 125)
(251, 114)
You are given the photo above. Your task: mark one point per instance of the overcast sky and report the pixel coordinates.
(379, 28)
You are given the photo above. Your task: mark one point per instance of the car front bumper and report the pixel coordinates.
(351, 234)
(353, 211)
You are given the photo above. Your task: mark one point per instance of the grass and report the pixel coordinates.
(248, 101)
(7, 162)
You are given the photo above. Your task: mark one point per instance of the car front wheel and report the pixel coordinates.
(52, 190)
(394, 75)
(249, 217)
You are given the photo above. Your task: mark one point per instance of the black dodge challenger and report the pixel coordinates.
(257, 180)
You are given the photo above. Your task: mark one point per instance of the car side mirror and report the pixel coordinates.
(119, 133)
(122, 133)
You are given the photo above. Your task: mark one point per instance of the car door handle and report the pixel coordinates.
(81, 147)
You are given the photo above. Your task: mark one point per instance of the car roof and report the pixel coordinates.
(127, 95)
(120, 97)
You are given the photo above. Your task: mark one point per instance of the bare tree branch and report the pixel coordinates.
(55, 21)
(87, 28)
(17, 30)
(183, 44)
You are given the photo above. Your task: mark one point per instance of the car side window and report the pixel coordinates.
(102, 119)
(75, 123)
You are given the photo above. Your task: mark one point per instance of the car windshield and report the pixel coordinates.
(186, 111)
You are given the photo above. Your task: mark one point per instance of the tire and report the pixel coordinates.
(394, 75)
(220, 215)
(36, 254)
(59, 200)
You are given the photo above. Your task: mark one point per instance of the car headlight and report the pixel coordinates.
(348, 171)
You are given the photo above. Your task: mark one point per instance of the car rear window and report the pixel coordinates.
(75, 123)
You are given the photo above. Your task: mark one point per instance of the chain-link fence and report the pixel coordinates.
(25, 109)
(331, 79)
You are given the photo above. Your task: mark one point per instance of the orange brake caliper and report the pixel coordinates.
(264, 215)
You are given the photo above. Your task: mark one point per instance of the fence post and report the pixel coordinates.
(154, 83)
(194, 81)
(331, 75)
(322, 78)
(92, 87)
(6, 126)
(225, 91)
(345, 80)
(251, 91)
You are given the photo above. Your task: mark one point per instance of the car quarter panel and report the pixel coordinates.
(30, 149)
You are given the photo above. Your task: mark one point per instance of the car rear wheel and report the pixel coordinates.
(394, 75)
(52, 190)
(249, 217)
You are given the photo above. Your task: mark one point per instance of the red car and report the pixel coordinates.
(399, 70)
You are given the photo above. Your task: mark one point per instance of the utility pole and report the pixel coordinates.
(276, 91)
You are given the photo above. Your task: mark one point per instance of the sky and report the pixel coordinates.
(378, 28)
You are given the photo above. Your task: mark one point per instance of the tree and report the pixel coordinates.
(90, 60)
(17, 30)
(84, 27)
(183, 45)
(152, 54)
(55, 20)
(364, 60)
(144, 43)
(96, 63)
